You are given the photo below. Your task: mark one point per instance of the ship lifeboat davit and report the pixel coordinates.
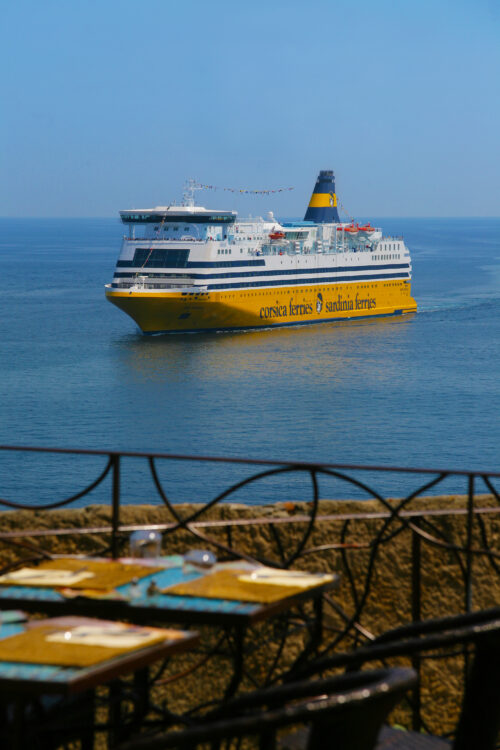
(277, 236)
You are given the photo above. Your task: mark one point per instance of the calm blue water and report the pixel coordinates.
(74, 372)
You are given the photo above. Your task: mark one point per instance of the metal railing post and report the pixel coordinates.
(468, 566)
(115, 514)
(416, 614)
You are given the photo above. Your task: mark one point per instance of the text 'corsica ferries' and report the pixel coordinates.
(187, 268)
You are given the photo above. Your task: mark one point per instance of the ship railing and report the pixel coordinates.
(285, 248)
(166, 239)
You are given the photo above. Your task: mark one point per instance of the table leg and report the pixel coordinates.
(122, 723)
(115, 734)
(18, 724)
(87, 736)
(141, 695)
(315, 634)
(239, 641)
(317, 628)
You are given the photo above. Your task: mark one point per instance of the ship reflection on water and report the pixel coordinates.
(328, 350)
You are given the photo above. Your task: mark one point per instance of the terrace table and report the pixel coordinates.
(22, 681)
(146, 601)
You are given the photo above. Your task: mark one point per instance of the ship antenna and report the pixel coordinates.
(188, 194)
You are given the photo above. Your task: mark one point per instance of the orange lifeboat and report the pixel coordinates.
(352, 228)
(277, 236)
(367, 229)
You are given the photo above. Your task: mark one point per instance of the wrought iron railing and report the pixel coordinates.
(395, 516)
(400, 560)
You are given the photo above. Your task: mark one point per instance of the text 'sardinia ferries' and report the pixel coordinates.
(186, 268)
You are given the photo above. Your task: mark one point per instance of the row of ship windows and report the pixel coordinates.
(273, 292)
(390, 246)
(167, 228)
(249, 274)
(394, 256)
(187, 229)
(277, 292)
(175, 229)
(315, 289)
(246, 284)
(226, 251)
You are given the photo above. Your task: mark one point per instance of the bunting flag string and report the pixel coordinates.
(244, 190)
(346, 212)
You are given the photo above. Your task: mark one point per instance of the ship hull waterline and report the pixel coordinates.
(195, 312)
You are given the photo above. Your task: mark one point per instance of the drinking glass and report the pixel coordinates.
(145, 543)
(200, 560)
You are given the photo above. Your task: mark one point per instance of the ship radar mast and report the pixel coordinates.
(188, 194)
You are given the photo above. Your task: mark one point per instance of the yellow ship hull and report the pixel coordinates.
(187, 312)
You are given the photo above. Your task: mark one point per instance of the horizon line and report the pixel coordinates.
(374, 216)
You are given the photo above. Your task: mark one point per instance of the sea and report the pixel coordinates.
(418, 391)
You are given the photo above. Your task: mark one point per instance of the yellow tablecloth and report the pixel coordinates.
(106, 574)
(32, 647)
(227, 584)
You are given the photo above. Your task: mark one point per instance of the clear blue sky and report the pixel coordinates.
(111, 104)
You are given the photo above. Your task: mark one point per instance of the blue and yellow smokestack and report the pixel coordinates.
(323, 204)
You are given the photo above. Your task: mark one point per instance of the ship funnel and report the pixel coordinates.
(323, 204)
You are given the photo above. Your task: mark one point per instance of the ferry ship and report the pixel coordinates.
(185, 268)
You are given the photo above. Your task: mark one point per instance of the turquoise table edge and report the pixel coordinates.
(10, 670)
(136, 594)
(141, 596)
